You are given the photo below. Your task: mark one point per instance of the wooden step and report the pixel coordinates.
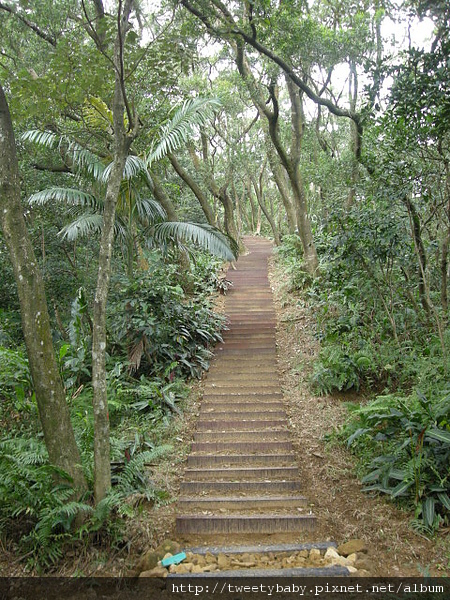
(247, 488)
(247, 396)
(239, 503)
(268, 435)
(244, 523)
(231, 447)
(240, 407)
(202, 460)
(245, 473)
(208, 413)
(242, 424)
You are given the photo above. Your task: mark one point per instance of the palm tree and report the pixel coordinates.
(140, 220)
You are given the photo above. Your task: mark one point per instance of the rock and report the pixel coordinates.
(223, 561)
(209, 568)
(303, 554)
(247, 564)
(364, 563)
(181, 568)
(331, 553)
(352, 558)
(341, 561)
(352, 546)
(168, 546)
(197, 569)
(156, 572)
(314, 554)
(210, 559)
(362, 573)
(352, 569)
(148, 562)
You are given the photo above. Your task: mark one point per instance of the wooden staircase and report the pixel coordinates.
(241, 475)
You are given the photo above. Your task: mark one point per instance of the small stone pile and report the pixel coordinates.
(353, 555)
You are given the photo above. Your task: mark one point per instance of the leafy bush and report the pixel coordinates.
(337, 370)
(156, 325)
(405, 445)
(38, 511)
(16, 392)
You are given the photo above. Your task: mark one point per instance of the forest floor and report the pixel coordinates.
(343, 510)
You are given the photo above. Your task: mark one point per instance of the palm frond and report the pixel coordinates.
(133, 167)
(85, 161)
(82, 159)
(48, 139)
(149, 210)
(207, 237)
(177, 131)
(85, 224)
(67, 195)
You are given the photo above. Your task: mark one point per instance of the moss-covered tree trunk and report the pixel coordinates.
(50, 397)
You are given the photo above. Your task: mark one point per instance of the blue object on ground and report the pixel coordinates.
(173, 560)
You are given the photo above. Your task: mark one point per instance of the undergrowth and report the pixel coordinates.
(161, 329)
(375, 335)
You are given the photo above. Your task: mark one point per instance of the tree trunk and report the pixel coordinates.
(160, 194)
(354, 169)
(279, 175)
(262, 204)
(122, 142)
(195, 188)
(289, 162)
(50, 397)
(253, 205)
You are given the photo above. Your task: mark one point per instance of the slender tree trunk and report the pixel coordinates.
(122, 142)
(160, 194)
(262, 204)
(253, 205)
(279, 175)
(289, 161)
(354, 174)
(195, 188)
(50, 397)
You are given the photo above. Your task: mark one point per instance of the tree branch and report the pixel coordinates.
(42, 34)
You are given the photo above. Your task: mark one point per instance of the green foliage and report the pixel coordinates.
(39, 512)
(178, 129)
(156, 325)
(207, 237)
(404, 445)
(337, 370)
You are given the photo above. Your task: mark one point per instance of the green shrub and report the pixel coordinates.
(404, 444)
(37, 507)
(156, 325)
(338, 370)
